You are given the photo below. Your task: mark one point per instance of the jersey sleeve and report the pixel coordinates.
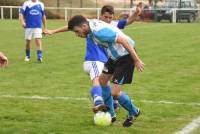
(121, 24)
(23, 8)
(105, 35)
(42, 9)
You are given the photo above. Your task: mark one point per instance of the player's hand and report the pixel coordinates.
(24, 25)
(139, 65)
(47, 32)
(3, 60)
(138, 10)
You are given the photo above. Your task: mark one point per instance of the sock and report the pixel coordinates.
(96, 93)
(39, 54)
(28, 53)
(116, 104)
(108, 99)
(127, 104)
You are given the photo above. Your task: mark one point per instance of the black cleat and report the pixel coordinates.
(113, 119)
(103, 108)
(129, 121)
(40, 60)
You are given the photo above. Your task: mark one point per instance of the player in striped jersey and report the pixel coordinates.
(123, 58)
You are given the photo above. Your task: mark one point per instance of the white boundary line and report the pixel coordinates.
(170, 102)
(37, 97)
(186, 130)
(190, 127)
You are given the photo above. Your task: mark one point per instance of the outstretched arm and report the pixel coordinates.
(124, 42)
(58, 30)
(134, 15)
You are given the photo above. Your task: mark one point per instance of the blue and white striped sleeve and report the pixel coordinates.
(105, 35)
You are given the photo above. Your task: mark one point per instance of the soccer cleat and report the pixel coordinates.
(113, 119)
(102, 107)
(26, 59)
(39, 60)
(129, 121)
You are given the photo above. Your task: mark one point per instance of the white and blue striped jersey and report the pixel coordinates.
(33, 13)
(95, 52)
(106, 35)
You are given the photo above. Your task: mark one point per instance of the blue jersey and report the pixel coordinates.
(33, 13)
(95, 52)
(106, 36)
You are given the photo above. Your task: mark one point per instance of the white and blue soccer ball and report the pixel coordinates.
(102, 118)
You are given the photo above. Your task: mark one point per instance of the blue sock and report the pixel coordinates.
(39, 54)
(108, 99)
(96, 93)
(127, 104)
(28, 53)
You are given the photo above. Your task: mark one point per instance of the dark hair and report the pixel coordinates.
(76, 20)
(107, 8)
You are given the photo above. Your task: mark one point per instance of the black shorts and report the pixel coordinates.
(122, 69)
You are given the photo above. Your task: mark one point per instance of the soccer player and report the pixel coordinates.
(31, 17)
(107, 14)
(96, 57)
(122, 58)
(3, 60)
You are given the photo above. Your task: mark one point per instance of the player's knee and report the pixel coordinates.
(95, 81)
(103, 81)
(116, 92)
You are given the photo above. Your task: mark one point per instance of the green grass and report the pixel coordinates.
(172, 73)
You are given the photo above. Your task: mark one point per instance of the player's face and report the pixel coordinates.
(107, 17)
(81, 31)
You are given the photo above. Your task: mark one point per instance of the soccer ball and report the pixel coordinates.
(102, 118)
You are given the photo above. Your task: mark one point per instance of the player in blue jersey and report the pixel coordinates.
(96, 57)
(31, 18)
(122, 58)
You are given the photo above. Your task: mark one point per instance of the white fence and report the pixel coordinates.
(174, 15)
(61, 10)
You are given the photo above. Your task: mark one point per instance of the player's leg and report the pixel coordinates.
(38, 41)
(94, 70)
(123, 75)
(104, 81)
(126, 102)
(28, 38)
(28, 50)
(106, 92)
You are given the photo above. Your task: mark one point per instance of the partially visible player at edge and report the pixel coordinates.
(3, 60)
(96, 56)
(31, 17)
(120, 65)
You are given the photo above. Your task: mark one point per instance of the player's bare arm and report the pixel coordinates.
(58, 30)
(134, 15)
(21, 19)
(124, 42)
(44, 21)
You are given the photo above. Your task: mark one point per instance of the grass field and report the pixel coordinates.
(167, 92)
